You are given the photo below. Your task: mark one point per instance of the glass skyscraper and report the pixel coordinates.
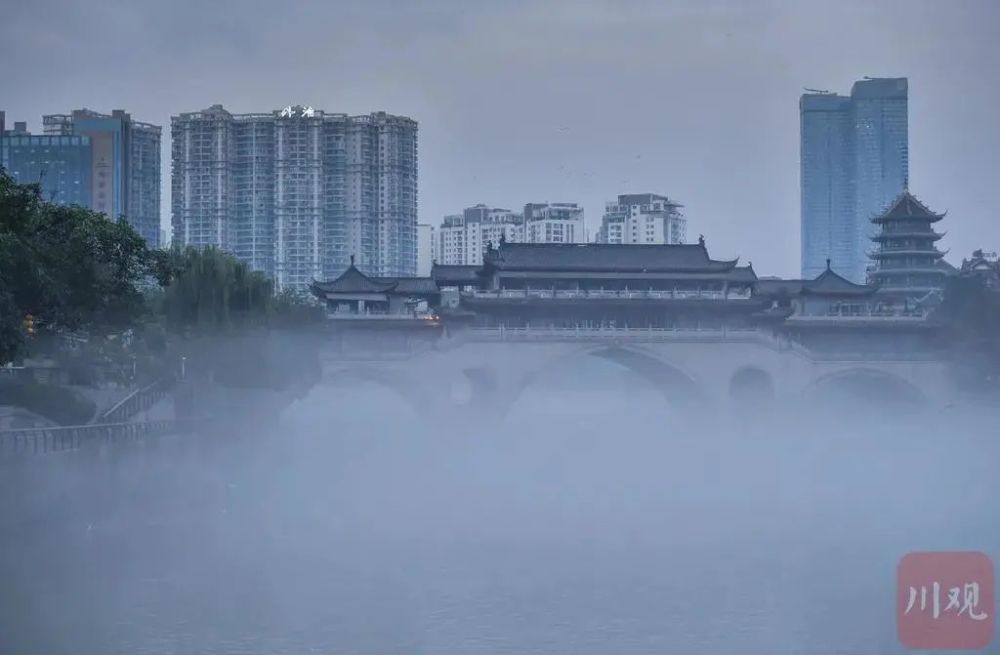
(854, 163)
(297, 192)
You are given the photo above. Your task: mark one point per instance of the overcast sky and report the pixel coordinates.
(553, 101)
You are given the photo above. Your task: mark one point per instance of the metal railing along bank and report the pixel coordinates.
(138, 401)
(40, 441)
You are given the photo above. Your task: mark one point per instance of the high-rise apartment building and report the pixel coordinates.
(125, 165)
(854, 162)
(642, 218)
(462, 238)
(108, 163)
(554, 223)
(297, 192)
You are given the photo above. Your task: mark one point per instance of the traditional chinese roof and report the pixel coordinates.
(413, 285)
(880, 237)
(778, 287)
(742, 274)
(353, 281)
(455, 275)
(606, 257)
(907, 207)
(980, 261)
(829, 283)
(826, 283)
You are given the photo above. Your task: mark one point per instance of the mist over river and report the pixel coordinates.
(593, 520)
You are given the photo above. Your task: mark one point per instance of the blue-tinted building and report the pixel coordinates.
(108, 163)
(125, 165)
(854, 163)
(60, 164)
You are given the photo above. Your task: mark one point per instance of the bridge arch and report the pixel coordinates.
(678, 387)
(864, 387)
(751, 386)
(411, 394)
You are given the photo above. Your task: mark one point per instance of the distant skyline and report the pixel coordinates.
(557, 101)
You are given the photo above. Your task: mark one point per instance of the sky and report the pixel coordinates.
(559, 101)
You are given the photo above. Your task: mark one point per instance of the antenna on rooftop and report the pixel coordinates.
(822, 91)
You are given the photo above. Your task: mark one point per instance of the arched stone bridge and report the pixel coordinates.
(480, 373)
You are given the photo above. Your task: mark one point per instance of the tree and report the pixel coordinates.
(69, 268)
(211, 291)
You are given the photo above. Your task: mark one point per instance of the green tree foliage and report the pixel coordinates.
(68, 267)
(211, 291)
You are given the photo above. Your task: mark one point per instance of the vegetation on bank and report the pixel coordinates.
(89, 294)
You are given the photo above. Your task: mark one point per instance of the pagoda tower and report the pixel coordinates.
(907, 261)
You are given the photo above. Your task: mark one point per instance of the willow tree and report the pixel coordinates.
(211, 291)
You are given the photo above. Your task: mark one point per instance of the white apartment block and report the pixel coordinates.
(642, 218)
(554, 223)
(462, 238)
(297, 192)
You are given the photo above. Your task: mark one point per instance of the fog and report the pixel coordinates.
(597, 517)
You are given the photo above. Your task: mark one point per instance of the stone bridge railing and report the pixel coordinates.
(41, 441)
(649, 334)
(753, 335)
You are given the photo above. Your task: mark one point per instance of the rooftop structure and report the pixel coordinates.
(985, 265)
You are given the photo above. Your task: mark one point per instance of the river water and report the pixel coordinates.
(586, 523)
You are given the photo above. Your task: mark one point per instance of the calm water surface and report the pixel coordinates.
(582, 525)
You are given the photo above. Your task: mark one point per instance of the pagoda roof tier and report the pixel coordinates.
(886, 236)
(907, 252)
(922, 270)
(890, 289)
(605, 257)
(906, 207)
(353, 281)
